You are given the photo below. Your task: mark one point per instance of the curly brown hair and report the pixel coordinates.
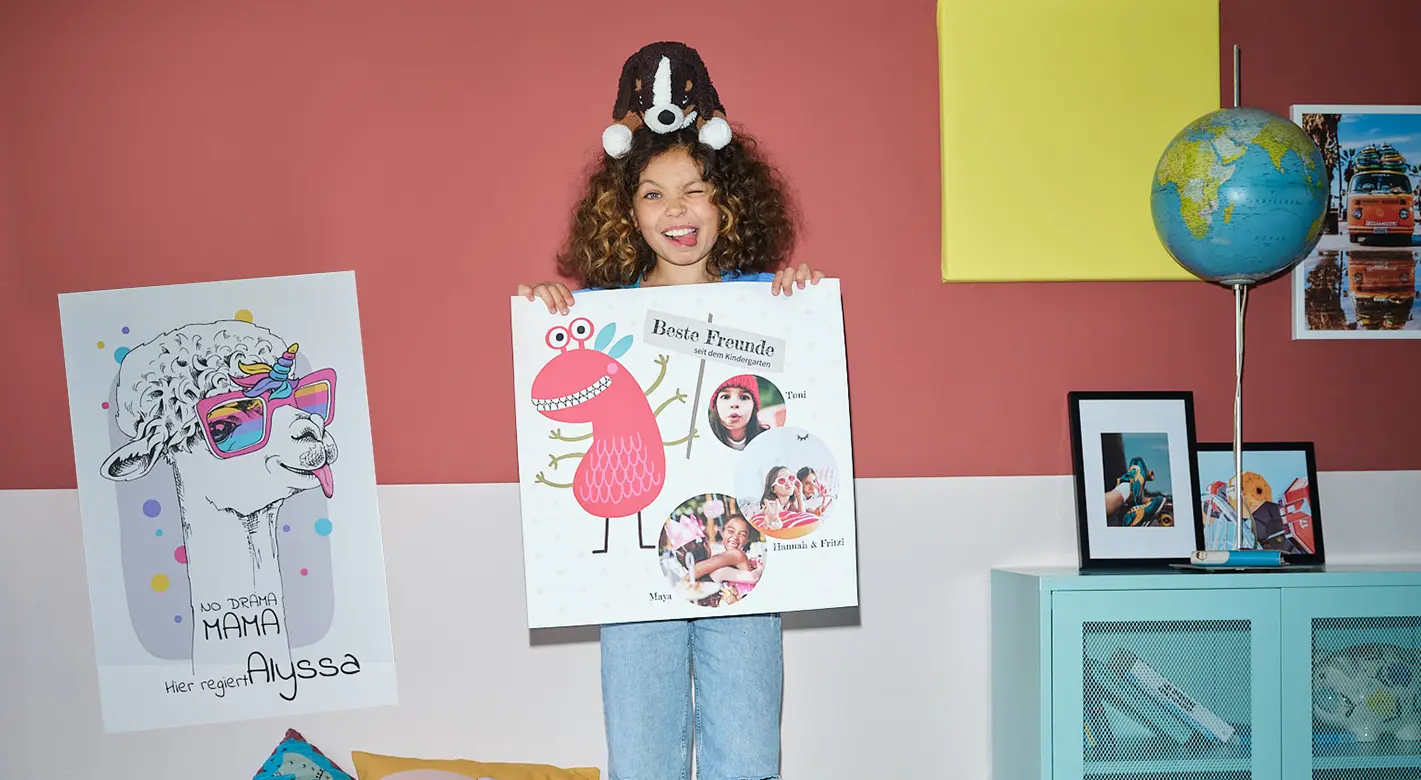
(758, 222)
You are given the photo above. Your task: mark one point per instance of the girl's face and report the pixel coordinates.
(736, 534)
(673, 209)
(734, 405)
(784, 483)
(809, 483)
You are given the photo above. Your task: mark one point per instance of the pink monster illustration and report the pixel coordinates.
(624, 469)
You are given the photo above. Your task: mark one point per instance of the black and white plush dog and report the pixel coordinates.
(665, 87)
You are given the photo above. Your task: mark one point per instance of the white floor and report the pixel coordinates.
(895, 688)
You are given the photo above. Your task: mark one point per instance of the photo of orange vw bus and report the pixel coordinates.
(1379, 200)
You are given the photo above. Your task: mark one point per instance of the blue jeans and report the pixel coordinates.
(737, 664)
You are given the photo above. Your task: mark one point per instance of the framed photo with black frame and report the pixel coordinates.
(1133, 455)
(1280, 501)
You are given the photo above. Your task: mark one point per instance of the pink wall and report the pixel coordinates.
(434, 148)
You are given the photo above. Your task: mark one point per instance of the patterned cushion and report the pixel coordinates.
(296, 759)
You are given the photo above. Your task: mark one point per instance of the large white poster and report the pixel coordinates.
(227, 494)
(684, 452)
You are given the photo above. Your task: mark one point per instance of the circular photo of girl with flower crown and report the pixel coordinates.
(711, 555)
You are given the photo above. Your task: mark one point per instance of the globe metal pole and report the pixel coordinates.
(1236, 78)
(1240, 302)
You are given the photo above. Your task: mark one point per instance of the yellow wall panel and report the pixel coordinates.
(1054, 113)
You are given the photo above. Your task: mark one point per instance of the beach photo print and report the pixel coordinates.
(1360, 282)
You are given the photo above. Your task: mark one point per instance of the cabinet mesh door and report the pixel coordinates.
(1366, 698)
(1167, 700)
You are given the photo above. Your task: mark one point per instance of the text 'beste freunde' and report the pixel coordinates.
(705, 339)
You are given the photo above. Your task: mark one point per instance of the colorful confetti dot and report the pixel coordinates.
(152, 508)
(158, 532)
(243, 314)
(125, 329)
(104, 405)
(286, 529)
(160, 582)
(180, 554)
(101, 345)
(323, 527)
(119, 354)
(177, 618)
(304, 572)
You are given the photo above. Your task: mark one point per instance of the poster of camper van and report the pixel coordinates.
(1360, 281)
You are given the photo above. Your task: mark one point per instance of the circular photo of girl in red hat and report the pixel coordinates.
(743, 407)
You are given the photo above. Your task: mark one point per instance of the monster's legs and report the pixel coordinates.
(607, 535)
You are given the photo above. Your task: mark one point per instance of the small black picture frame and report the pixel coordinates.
(1132, 454)
(1280, 478)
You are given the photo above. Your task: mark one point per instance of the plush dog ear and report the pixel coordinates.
(617, 137)
(713, 130)
(626, 87)
(707, 99)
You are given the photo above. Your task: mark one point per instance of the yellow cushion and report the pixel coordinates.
(371, 766)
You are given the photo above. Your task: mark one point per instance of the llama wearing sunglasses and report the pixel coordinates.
(624, 469)
(220, 404)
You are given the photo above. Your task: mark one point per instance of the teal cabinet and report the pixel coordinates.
(1170, 675)
(1350, 688)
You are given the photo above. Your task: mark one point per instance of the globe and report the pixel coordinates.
(1239, 195)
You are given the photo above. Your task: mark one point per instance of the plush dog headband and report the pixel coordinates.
(665, 87)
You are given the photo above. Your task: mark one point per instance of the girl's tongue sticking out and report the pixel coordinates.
(681, 236)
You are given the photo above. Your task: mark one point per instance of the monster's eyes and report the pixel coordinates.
(581, 329)
(557, 337)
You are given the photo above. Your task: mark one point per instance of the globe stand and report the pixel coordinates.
(1240, 303)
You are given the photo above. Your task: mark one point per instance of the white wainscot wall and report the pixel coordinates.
(895, 688)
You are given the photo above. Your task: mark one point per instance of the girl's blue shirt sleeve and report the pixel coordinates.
(728, 276)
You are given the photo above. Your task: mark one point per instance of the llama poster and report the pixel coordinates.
(684, 452)
(227, 495)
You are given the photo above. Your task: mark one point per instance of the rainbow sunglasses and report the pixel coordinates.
(239, 422)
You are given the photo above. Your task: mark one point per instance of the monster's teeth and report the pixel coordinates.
(585, 394)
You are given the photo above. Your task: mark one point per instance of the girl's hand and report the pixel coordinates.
(787, 278)
(555, 294)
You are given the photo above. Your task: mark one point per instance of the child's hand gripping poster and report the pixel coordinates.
(227, 498)
(684, 452)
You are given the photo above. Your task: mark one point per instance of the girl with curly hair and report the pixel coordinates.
(675, 211)
(672, 210)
